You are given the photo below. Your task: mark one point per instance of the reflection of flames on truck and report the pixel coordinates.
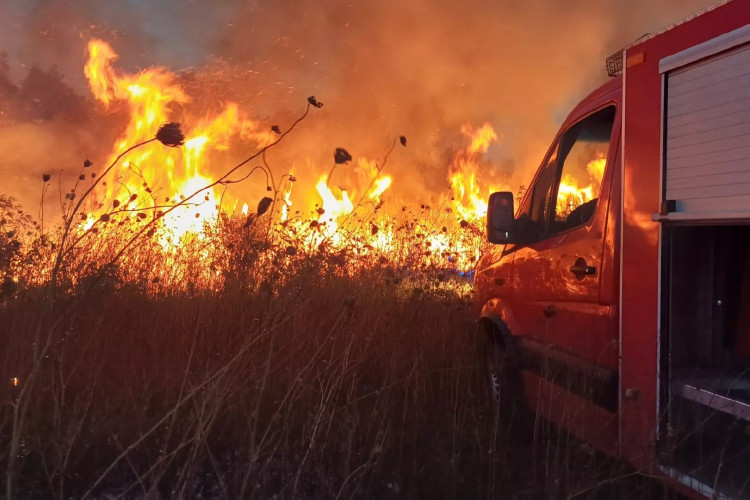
(362, 220)
(570, 196)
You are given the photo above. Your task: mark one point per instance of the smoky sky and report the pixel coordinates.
(419, 68)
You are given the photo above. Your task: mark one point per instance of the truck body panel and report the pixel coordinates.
(628, 306)
(641, 197)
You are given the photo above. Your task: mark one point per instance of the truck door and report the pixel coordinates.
(556, 273)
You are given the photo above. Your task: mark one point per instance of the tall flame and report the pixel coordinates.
(166, 175)
(364, 221)
(380, 185)
(359, 219)
(333, 207)
(469, 198)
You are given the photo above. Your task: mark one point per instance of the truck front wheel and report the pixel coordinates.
(500, 378)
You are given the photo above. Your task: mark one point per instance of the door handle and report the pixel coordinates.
(581, 269)
(587, 270)
(549, 311)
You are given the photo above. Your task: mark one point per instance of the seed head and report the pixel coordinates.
(264, 205)
(314, 102)
(46, 177)
(341, 155)
(171, 135)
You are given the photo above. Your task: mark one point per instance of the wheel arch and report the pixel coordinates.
(496, 320)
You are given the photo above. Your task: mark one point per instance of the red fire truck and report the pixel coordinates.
(621, 311)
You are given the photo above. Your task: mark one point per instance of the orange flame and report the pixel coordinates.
(570, 195)
(380, 185)
(595, 168)
(470, 199)
(287, 206)
(333, 208)
(439, 233)
(166, 175)
(163, 176)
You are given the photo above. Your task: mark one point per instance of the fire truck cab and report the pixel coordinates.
(617, 293)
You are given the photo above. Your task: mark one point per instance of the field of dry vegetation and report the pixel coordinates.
(268, 353)
(295, 375)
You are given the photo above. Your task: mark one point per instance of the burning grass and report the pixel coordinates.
(256, 361)
(250, 364)
(166, 193)
(161, 344)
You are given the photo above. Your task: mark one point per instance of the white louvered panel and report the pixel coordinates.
(707, 134)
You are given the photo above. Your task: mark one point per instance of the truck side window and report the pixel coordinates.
(534, 214)
(583, 155)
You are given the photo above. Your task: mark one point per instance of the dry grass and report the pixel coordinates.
(234, 367)
(327, 387)
(317, 390)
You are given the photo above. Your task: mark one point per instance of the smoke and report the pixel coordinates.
(424, 68)
(419, 68)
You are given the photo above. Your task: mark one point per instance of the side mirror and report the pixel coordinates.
(500, 217)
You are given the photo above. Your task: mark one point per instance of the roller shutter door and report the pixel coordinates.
(707, 135)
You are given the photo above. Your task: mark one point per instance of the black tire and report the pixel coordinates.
(510, 436)
(500, 380)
